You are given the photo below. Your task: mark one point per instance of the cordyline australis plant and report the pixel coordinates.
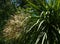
(46, 25)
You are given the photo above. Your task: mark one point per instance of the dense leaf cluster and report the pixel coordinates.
(45, 26)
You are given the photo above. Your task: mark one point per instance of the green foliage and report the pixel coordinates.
(43, 28)
(6, 10)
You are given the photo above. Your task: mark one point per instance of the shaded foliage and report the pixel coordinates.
(44, 30)
(6, 10)
(43, 26)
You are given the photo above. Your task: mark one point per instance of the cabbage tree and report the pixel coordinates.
(44, 28)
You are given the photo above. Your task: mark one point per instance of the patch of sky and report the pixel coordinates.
(16, 2)
(50, 1)
(47, 1)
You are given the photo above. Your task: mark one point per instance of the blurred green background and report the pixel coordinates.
(29, 21)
